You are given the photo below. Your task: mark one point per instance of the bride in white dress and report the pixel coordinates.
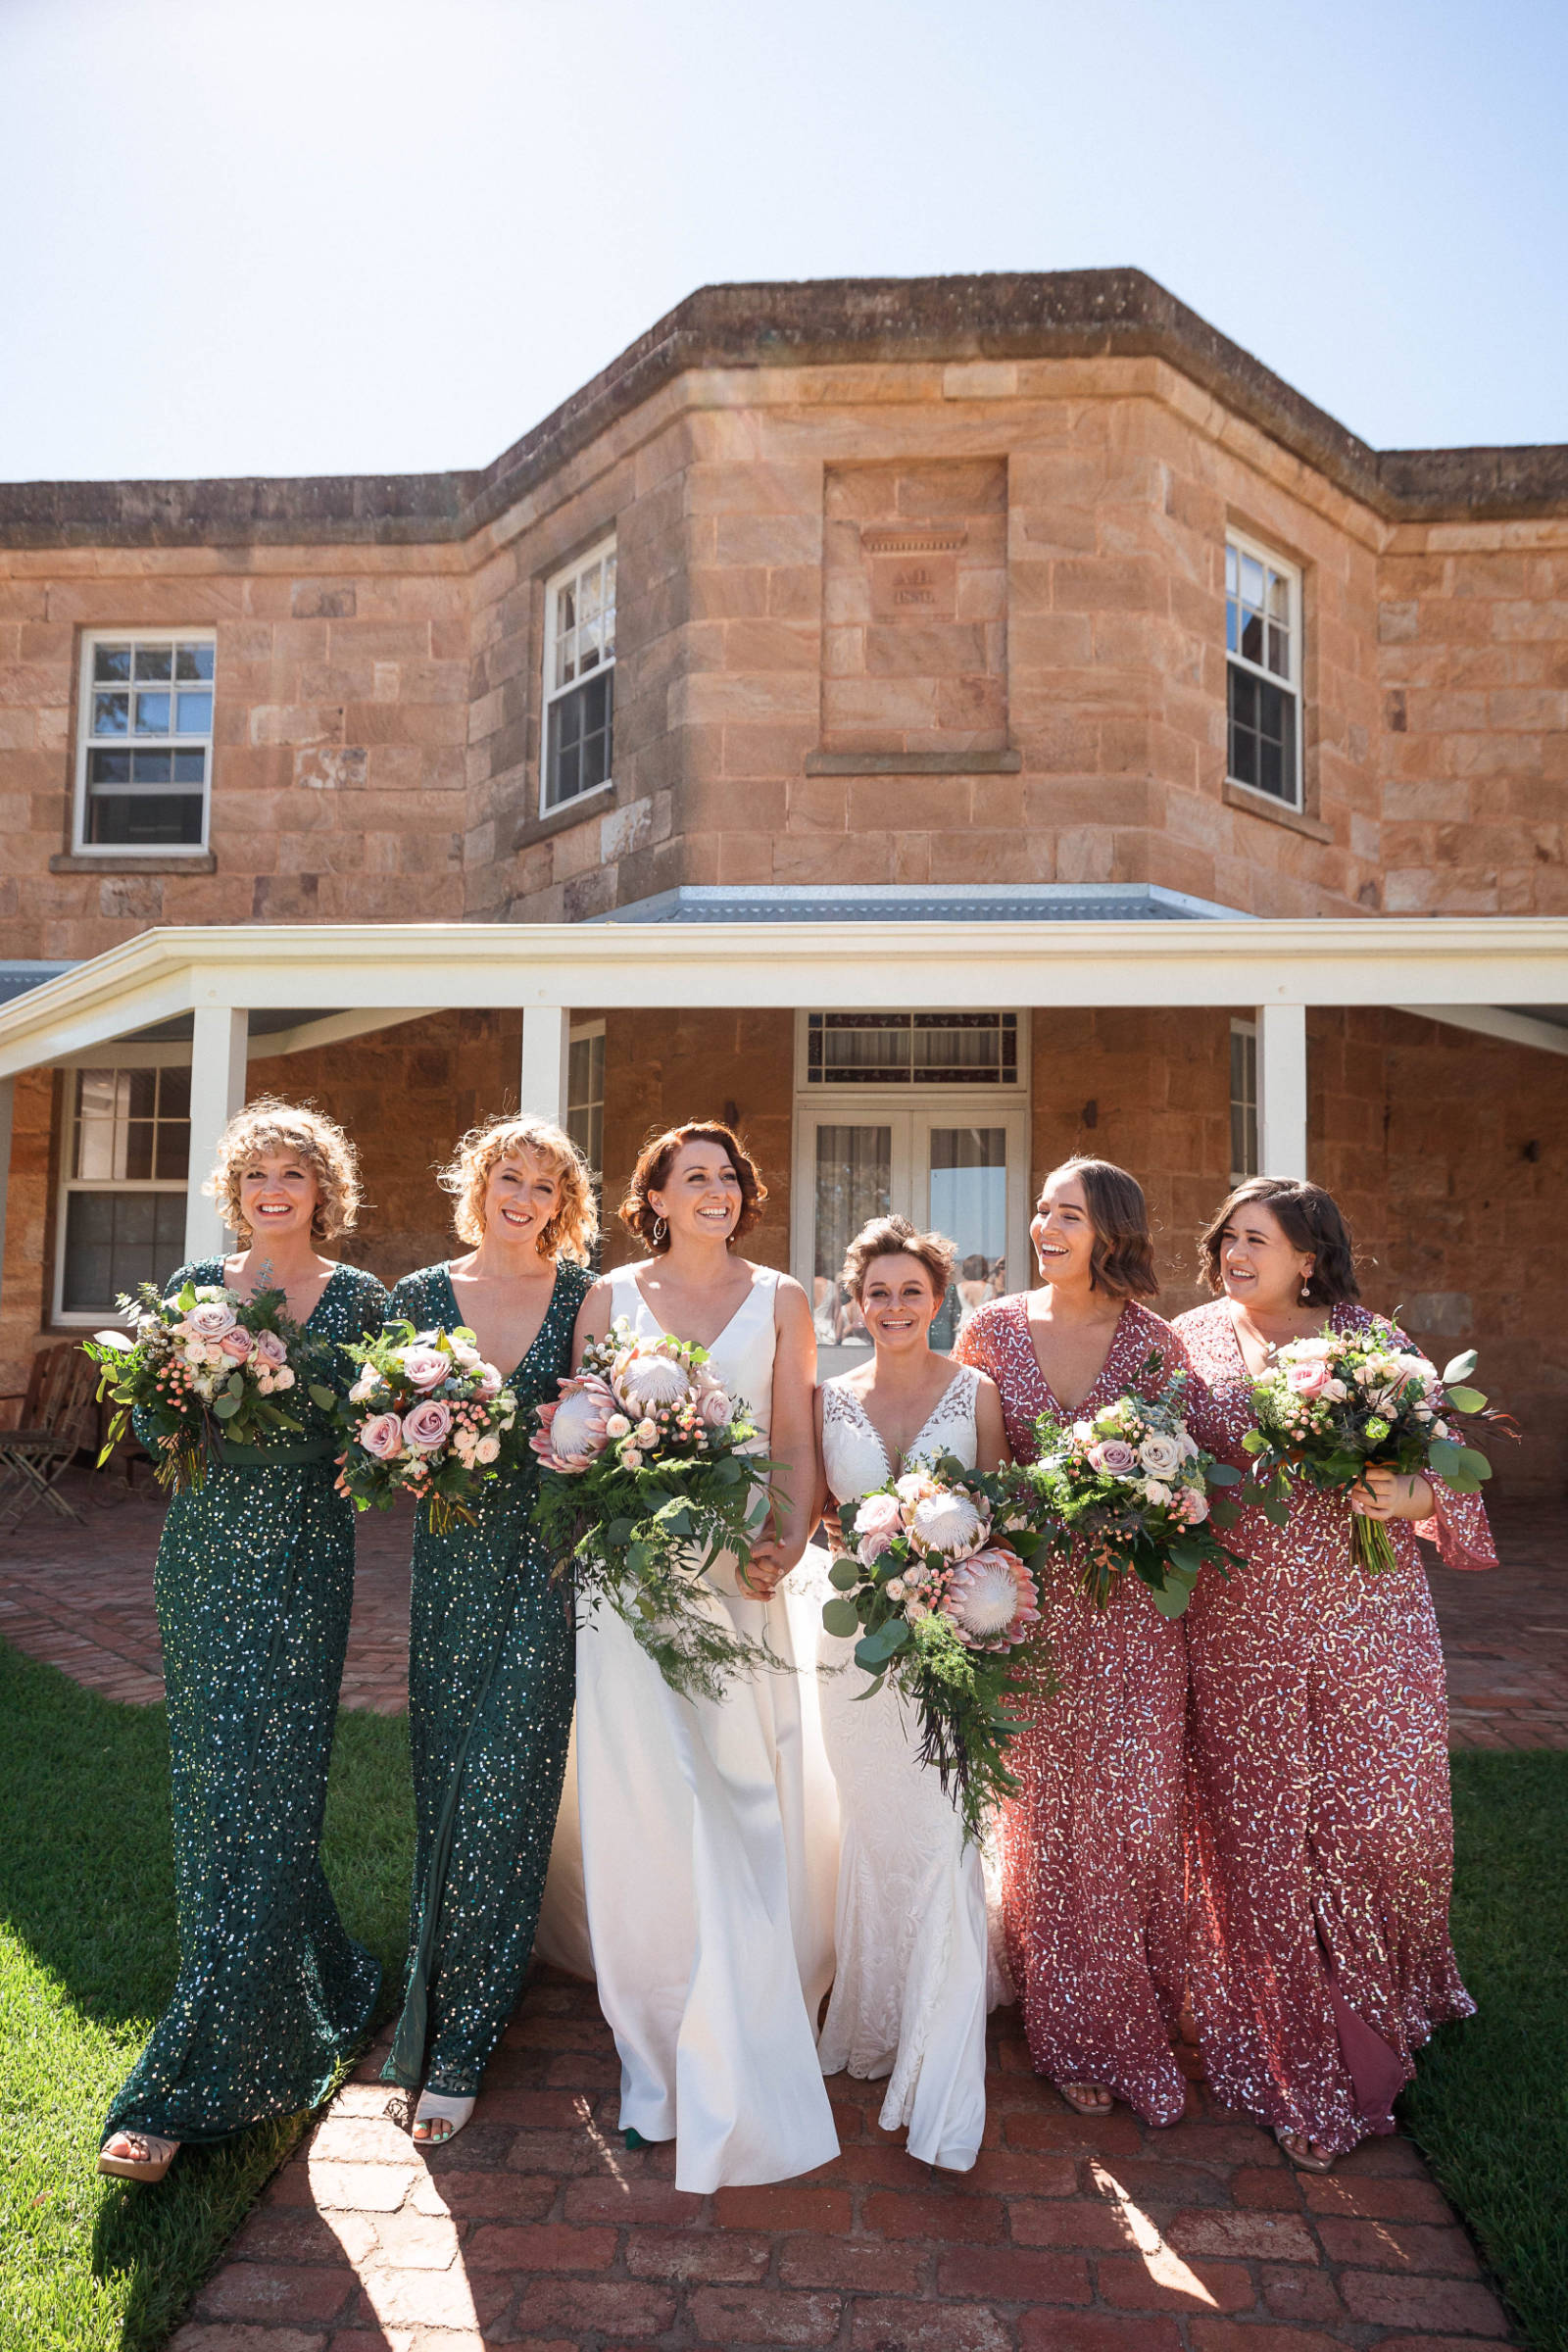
(708, 1852)
(914, 1978)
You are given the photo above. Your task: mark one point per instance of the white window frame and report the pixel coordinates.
(584, 1033)
(80, 846)
(1246, 1030)
(552, 694)
(63, 1317)
(1290, 573)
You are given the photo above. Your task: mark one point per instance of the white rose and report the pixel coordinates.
(1157, 1492)
(283, 1378)
(487, 1450)
(1161, 1454)
(647, 1433)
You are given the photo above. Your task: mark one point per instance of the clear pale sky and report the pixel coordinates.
(253, 236)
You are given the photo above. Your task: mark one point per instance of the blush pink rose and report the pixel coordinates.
(487, 1382)
(1114, 1457)
(716, 1409)
(382, 1437)
(270, 1349)
(1193, 1504)
(428, 1424)
(423, 1367)
(879, 1515)
(237, 1345)
(209, 1319)
(1307, 1378)
(871, 1547)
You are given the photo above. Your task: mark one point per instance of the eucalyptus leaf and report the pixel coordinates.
(324, 1397)
(1224, 1474)
(1473, 1464)
(1444, 1456)
(841, 1618)
(225, 1407)
(1253, 1443)
(871, 1689)
(1170, 1599)
(1467, 1401)
(845, 1575)
(1460, 1367)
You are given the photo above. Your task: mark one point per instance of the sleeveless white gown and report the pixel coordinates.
(708, 1905)
(914, 1978)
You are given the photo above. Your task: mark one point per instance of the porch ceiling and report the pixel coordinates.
(1412, 963)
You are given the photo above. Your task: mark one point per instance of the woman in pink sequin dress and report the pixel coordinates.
(1093, 1892)
(1318, 1739)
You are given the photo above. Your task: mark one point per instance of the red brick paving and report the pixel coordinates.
(539, 2232)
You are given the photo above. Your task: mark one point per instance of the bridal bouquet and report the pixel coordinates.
(1328, 1407)
(941, 1602)
(1133, 1486)
(205, 1366)
(647, 1481)
(427, 1417)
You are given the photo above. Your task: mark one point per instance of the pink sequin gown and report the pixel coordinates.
(1319, 1794)
(1092, 1868)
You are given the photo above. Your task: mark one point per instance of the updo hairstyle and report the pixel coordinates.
(1122, 1260)
(571, 1232)
(652, 1172)
(1309, 1219)
(896, 1237)
(269, 1124)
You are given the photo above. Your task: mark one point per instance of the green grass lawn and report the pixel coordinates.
(1490, 2103)
(88, 1960)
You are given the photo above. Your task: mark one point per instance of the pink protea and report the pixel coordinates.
(990, 1600)
(574, 1431)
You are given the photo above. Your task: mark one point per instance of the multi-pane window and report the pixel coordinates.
(1243, 1100)
(1263, 649)
(579, 678)
(585, 1105)
(145, 741)
(123, 1213)
(911, 1048)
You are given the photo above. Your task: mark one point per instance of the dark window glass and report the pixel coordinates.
(1262, 735)
(144, 818)
(579, 741)
(114, 1240)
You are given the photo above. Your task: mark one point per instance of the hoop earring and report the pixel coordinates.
(660, 1232)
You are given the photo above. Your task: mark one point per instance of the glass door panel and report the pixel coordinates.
(967, 1201)
(854, 1183)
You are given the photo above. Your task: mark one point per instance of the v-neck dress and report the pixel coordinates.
(253, 1587)
(490, 1687)
(913, 1979)
(1319, 1781)
(1093, 1900)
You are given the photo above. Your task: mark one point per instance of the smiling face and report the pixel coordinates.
(897, 1301)
(701, 1195)
(1259, 1264)
(1062, 1232)
(521, 1194)
(278, 1194)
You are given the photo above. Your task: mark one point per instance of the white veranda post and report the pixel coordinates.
(8, 1097)
(1282, 1092)
(217, 1091)
(542, 1089)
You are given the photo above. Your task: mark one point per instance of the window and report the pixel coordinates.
(911, 1048)
(585, 1092)
(1243, 1100)
(145, 741)
(123, 1210)
(1263, 649)
(579, 679)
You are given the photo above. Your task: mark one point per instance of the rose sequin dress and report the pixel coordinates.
(1319, 1794)
(1093, 1871)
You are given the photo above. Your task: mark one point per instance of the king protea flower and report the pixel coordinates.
(946, 1521)
(573, 1431)
(643, 1383)
(990, 1598)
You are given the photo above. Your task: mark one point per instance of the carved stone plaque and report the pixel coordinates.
(914, 573)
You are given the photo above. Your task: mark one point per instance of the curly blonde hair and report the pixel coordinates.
(271, 1125)
(571, 1230)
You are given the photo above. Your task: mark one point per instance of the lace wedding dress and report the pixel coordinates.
(915, 1974)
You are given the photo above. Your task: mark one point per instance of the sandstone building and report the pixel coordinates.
(941, 723)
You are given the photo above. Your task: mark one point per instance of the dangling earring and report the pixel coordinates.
(660, 1231)
(1306, 1287)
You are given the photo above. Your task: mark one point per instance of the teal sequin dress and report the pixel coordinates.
(253, 1585)
(491, 1679)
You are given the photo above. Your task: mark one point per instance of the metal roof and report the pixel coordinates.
(922, 903)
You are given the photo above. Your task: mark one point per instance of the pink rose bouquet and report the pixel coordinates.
(650, 1476)
(1127, 1491)
(203, 1375)
(1328, 1407)
(426, 1416)
(940, 1603)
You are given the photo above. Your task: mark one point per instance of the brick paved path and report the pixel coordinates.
(537, 2230)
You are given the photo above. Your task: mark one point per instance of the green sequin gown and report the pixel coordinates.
(491, 1679)
(254, 1584)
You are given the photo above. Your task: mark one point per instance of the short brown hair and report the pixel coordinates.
(653, 1163)
(896, 1237)
(1122, 1260)
(1309, 1219)
(571, 1232)
(270, 1124)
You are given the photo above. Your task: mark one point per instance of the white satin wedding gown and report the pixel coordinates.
(708, 1857)
(915, 1975)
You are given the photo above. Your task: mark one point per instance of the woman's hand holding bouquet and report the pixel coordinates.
(648, 1481)
(205, 1367)
(1133, 1486)
(1330, 1409)
(426, 1416)
(941, 1602)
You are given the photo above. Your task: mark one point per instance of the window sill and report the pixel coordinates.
(1275, 812)
(149, 862)
(913, 764)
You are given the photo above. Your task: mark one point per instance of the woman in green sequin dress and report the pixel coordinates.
(491, 1644)
(254, 1584)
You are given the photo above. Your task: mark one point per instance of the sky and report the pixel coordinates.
(253, 236)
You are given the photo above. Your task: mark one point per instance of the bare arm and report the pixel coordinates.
(792, 1441)
(593, 1322)
(990, 1430)
(819, 1492)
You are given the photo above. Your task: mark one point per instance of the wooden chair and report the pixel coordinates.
(58, 1421)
